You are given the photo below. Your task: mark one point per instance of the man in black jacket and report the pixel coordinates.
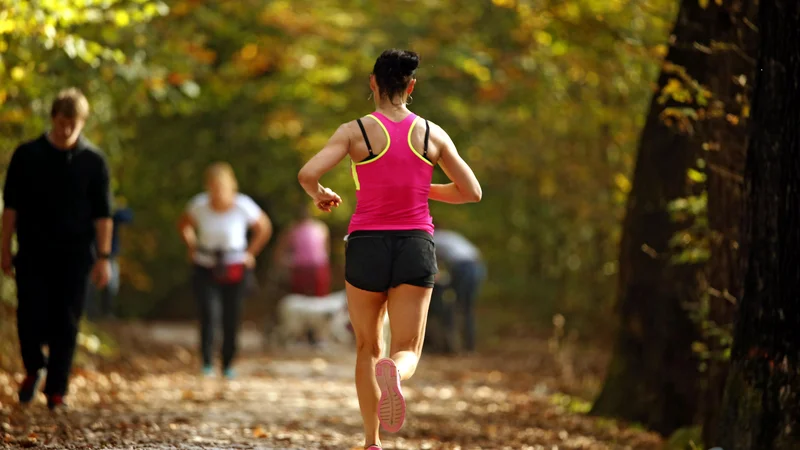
(56, 198)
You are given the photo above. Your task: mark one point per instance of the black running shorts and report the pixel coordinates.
(378, 260)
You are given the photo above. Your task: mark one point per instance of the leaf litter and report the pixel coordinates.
(151, 396)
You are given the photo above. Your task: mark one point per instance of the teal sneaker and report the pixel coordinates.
(208, 371)
(229, 373)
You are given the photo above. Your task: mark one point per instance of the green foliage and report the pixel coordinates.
(544, 100)
(689, 438)
(699, 112)
(571, 404)
(690, 245)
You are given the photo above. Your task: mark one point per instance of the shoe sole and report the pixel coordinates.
(392, 405)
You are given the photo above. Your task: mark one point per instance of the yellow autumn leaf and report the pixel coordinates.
(544, 38)
(696, 175)
(504, 3)
(7, 25)
(622, 183)
(249, 51)
(673, 85)
(17, 73)
(121, 18)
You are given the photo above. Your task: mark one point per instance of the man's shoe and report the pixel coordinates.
(29, 387)
(55, 402)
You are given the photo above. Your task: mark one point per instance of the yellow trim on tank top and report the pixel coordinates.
(412, 145)
(354, 172)
(388, 143)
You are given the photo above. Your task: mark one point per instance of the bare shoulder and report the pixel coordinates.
(439, 137)
(348, 127)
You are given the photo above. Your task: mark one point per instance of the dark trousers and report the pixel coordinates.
(51, 293)
(465, 280)
(211, 298)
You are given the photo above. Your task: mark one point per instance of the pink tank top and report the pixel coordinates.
(309, 245)
(392, 187)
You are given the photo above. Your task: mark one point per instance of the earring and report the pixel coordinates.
(369, 97)
(410, 99)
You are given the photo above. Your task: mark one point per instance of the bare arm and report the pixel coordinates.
(327, 158)
(100, 199)
(12, 197)
(262, 231)
(9, 225)
(103, 229)
(186, 227)
(465, 187)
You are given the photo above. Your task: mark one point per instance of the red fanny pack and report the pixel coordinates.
(229, 273)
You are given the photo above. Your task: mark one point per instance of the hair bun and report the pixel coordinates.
(394, 70)
(408, 62)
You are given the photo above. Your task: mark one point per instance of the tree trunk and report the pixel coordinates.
(727, 134)
(653, 377)
(761, 405)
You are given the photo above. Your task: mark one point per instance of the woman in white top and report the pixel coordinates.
(214, 228)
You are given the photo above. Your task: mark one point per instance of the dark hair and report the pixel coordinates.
(393, 70)
(71, 103)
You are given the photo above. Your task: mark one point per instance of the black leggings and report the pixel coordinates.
(210, 296)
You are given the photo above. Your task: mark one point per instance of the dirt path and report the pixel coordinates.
(303, 400)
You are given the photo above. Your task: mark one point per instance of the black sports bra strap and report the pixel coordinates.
(366, 139)
(427, 135)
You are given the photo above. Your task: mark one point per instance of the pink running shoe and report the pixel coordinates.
(392, 405)
(374, 447)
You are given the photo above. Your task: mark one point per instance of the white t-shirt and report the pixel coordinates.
(225, 231)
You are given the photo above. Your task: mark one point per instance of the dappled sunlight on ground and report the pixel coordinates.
(306, 399)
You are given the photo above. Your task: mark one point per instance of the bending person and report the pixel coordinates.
(467, 272)
(304, 249)
(390, 259)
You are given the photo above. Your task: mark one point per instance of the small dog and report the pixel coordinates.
(325, 316)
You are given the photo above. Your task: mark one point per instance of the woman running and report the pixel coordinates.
(390, 261)
(214, 228)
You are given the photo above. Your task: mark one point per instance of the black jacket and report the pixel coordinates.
(58, 195)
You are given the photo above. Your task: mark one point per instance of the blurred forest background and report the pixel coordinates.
(608, 136)
(544, 100)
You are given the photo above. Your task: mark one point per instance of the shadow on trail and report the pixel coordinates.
(152, 397)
